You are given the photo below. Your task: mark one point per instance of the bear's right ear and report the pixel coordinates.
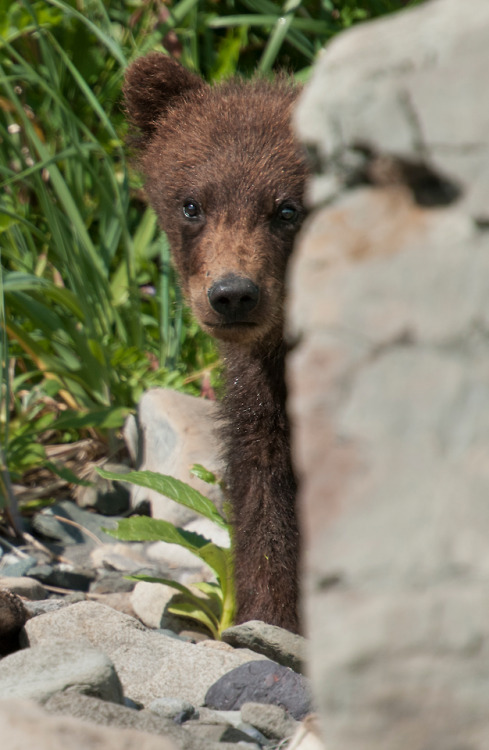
(152, 84)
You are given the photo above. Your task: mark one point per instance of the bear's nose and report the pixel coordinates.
(233, 297)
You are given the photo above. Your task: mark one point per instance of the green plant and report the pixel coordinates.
(91, 315)
(214, 604)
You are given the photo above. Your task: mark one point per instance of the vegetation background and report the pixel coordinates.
(90, 314)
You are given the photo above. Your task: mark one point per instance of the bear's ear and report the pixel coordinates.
(152, 84)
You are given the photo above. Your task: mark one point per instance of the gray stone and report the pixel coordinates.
(272, 721)
(64, 576)
(176, 431)
(24, 586)
(77, 526)
(111, 582)
(276, 643)
(45, 605)
(261, 682)
(149, 664)
(107, 496)
(149, 601)
(388, 388)
(12, 567)
(234, 718)
(103, 713)
(216, 733)
(173, 708)
(25, 725)
(39, 672)
(119, 556)
(393, 102)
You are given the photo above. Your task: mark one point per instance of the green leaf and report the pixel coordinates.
(105, 418)
(194, 611)
(144, 529)
(175, 490)
(202, 473)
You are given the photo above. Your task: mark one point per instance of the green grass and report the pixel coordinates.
(90, 311)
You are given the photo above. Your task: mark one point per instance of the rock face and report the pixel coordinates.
(389, 381)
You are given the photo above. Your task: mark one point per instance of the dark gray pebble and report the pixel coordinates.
(261, 682)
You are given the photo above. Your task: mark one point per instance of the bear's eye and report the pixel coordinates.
(287, 213)
(191, 209)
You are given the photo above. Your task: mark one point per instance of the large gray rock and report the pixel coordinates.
(56, 666)
(276, 643)
(109, 714)
(25, 725)
(150, 665)
(174, 432)
(389, 387)
(413, 85)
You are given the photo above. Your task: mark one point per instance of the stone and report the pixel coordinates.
(110, 497)
(149, 601)
(24, 586)
(216, 733)
(71, 525)
(25, 725)
(388, 388)
(176, 431)
(149, 664)
(273, 721)
(173, 708)
(261, 682)
(121, 601)
(276, 643)
(12, 567)
(64, 576)
(45, 605)
(41, 671)
(103, 713)
(119, 556)
(111, 582)
(234, 718)
(391, 103)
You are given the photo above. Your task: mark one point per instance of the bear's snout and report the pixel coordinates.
(234, 298)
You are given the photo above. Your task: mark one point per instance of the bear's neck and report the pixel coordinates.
(261, 485)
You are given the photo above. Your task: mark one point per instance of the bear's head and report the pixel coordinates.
(226, 178)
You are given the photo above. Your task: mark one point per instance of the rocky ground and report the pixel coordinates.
(83, 642)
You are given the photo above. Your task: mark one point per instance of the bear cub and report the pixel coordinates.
(226, 178)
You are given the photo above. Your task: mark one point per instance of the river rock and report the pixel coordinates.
(58, 666)
(24, 586)
(261, 682)
(276, 643)
(149, 664)
(25, 725)
(176, 431)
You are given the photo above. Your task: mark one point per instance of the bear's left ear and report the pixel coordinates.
(152, 84)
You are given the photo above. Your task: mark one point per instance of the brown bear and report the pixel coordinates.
(226, 178)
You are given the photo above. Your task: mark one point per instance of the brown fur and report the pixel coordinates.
(230, 151)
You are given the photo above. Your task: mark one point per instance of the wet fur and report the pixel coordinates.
(231, 149)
